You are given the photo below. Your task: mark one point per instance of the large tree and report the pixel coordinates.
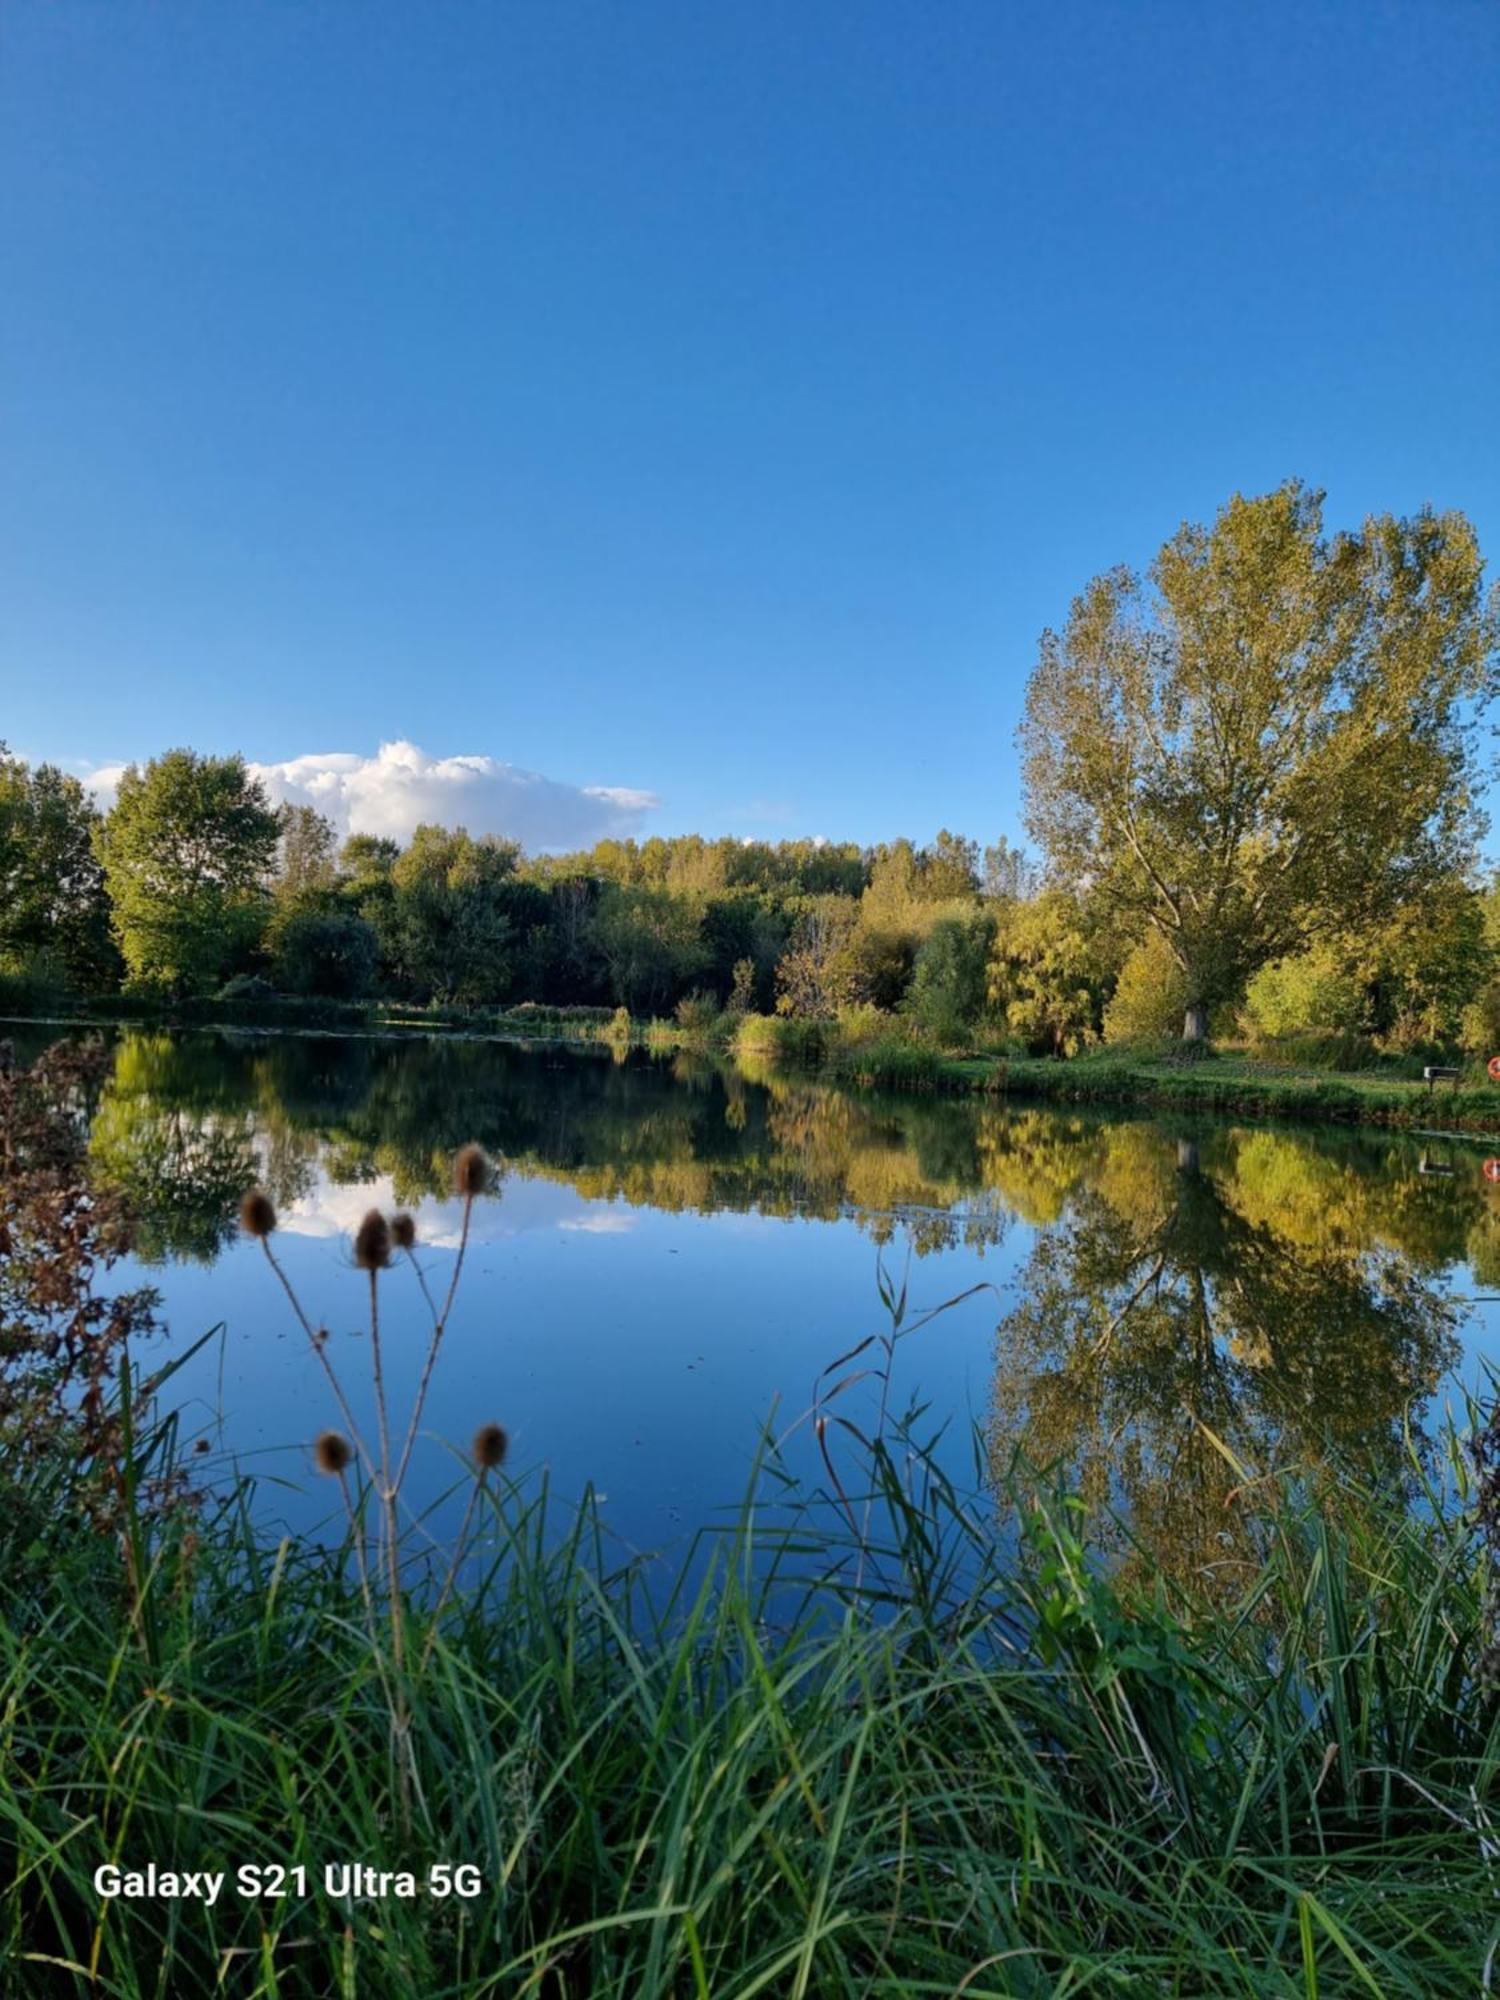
(52, 902)
(187, 853)
(448, 931)
(1269, 736)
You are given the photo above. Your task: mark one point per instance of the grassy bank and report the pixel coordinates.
(936, 1769)
(1241, 1084)
(867, 1050)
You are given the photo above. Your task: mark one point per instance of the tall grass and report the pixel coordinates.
(923, 1759)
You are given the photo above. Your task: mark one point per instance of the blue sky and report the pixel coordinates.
(713, 402)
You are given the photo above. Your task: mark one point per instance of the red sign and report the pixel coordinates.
(1492, 1170)
(1494, 1069)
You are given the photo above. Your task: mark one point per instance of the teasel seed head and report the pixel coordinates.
(470, 1171)
(333, 1452)
(372, 1242)
(257, 1217)
(403, 1231)
(491, 1443)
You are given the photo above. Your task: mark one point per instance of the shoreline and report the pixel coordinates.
(1217, 1083)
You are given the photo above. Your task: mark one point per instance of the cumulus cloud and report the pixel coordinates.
(402, 787)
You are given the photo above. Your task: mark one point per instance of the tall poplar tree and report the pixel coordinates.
(1267, 738)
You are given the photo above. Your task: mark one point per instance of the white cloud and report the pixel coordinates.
(402, 786)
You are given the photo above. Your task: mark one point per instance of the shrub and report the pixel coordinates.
(781, 1037)
(949, 992)
(1481, 1022)
(1151, 998)
(698, 1014)
(894, 1060)
(618, 1027)
(1307, 993)
(329, 956)
(249, 986)
(858, 1026)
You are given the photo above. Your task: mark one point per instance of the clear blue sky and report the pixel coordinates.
(715, 400)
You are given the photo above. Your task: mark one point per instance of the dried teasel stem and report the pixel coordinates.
(320, 1348)
(491, 1443)
(471, 1173)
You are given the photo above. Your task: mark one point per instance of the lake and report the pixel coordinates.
(674, 1250)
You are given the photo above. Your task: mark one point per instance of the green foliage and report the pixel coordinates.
(1150, 997)
(54, 915)
(816, 976)
(698, 1016)
(331, 955)
(446, 931)
(1310, 992)
(1045, 974)
(781, 1038)
(742, 987)
(1265, 741)
(949, 992)
(1480, 1023)
(797, 1782)
(251, 986)
(1426, 965)
(305, 863)
(187, 853)
(650, 942)
(892, 1060)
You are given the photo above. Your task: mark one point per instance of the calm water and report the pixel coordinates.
(674, 1249)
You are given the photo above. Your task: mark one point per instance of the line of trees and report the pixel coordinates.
(194, 884)
(1252, 774)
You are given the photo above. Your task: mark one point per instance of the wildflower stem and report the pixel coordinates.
(317, 1347)
(460, 1541)
(387, 1488)
(439, 1328)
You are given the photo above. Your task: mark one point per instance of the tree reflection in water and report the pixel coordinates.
(1209, 1308)
(1193, 1305)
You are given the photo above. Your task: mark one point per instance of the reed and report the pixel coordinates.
(983, 1767)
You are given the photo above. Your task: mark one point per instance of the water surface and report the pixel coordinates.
(674, 1250)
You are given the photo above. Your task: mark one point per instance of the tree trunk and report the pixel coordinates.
(1195, 1023)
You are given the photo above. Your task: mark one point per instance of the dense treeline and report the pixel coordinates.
(1252, 775)
(194, 884)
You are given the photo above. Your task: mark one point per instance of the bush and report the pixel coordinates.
(698, 1014)
(857, 1027)
(38, 980)
(781, 1037)
(1308, 993)
(949, 992)
(329, 957)
(248, 986)
(1481, 1023)
(1151, 998)
(617, 1028)
(894, 1061)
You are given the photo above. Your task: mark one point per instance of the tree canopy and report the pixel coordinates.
(1268, 736)
(187, 855)
(53, 910)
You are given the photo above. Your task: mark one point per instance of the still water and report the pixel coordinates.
(674, 1250)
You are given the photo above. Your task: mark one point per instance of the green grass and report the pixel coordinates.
(805, 1762)
(1239, 1083)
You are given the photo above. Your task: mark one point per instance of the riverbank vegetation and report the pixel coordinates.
(1253, 774)
(1005, 1775)
(883, 1737)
